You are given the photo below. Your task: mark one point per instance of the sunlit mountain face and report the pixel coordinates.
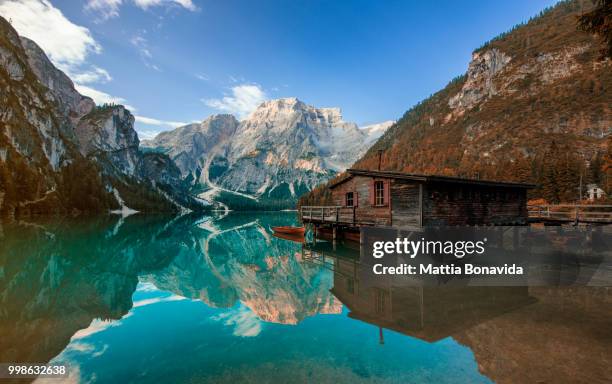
(148, 299)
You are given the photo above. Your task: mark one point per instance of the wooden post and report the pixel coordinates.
(420, 204)
(334, 234)
(515, 238)
(576, 213)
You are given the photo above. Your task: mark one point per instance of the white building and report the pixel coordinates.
(594, 192)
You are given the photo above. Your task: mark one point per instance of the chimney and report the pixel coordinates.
(380, 152)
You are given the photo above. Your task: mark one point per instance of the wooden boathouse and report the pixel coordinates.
(403, 200)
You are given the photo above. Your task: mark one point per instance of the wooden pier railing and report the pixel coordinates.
(329, 214)
(581, 213)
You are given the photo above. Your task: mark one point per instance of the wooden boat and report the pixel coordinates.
(289, 230)
(299, 238)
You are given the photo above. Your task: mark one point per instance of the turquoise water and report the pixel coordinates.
(152, 299)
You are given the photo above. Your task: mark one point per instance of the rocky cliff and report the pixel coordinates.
(283, 149)
(541, 83)
(60, 153)
(190, 145)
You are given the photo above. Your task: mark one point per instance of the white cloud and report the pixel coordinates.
(102, 97)
(142, 45)
(155, 300)
(202, 76)
(93, 75)
(152, 121)
(147, 134)
(96, 326)
(245, 322)
(146, 287)
(66, 43)
(107, 9)
(243, 100)
(146, 4)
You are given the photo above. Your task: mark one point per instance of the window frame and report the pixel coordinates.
(352, 199)
(379, 201)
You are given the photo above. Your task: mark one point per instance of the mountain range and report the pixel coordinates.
(280, 151)
(533, 106)
(61, 153)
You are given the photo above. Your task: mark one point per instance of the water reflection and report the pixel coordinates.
(167, 299)
(238, 260)
(57, 276)
(517, 334)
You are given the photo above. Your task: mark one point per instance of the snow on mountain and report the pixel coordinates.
(375, 131)
(281, 150)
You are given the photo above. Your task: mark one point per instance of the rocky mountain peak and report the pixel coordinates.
(480, 74)
(109, 130)
(272, 109)
(61, 88)
(281, 150)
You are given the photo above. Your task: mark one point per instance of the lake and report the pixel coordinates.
(156, 299)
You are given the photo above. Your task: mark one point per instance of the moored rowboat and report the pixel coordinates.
(289, 230)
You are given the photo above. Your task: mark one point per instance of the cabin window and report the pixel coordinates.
(349, 199)
(381, 299)
(379, 193)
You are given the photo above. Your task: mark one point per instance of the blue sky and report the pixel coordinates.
(178, 61)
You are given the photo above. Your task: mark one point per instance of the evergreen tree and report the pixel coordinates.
(569, 172)
(522, 170)
(607, 168)
(549, 175)
(595, 170)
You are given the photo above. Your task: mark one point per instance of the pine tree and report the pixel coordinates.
(549, 175)
(595, 170)
(607, 168)
(568, 172)
(522, 170)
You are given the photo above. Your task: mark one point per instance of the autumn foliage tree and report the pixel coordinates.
(599, 22)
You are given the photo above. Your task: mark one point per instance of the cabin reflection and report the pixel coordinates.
(427, 313)
(521, 334)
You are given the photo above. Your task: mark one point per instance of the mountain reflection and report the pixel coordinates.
(56, 277)
(238, 259)
(60, 281)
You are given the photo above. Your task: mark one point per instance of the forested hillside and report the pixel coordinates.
(534, 106)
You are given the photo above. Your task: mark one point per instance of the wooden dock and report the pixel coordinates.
(570, 213)
(552, 214)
